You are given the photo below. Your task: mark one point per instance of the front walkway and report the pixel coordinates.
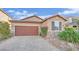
(26, 43)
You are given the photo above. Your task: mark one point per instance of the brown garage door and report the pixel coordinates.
(26, 30)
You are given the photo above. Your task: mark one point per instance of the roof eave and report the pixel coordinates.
(23, 21)
(31, 17)
(55, 16)
(5, 13)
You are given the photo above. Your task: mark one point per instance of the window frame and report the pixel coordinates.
(59, 27)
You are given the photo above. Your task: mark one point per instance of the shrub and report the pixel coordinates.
(44, 31)
(4, 30)
(69, 35)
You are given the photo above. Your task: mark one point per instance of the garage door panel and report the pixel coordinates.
(26, 30)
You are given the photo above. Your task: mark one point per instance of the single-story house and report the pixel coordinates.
(32, 25)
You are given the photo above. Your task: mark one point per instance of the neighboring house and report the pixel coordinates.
(32, 25)
(72, 22)
(4, 16)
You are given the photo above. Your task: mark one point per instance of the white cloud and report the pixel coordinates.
(18, 13)
(24, 12)
(75, 9)
(24, 15)
(21, 14)
(11, 11)
(45, 16)
(27, 15)
(69, 11)
(31, 14)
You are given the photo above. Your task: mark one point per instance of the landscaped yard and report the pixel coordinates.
(66, 40)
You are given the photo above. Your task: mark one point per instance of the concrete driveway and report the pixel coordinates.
(26, 43)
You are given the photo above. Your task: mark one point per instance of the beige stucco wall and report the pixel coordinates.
(24, 24)
(4, 17)
(48, 23)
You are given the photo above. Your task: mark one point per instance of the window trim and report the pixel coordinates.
(59, 26)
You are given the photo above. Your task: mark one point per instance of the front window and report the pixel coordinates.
(56, 25)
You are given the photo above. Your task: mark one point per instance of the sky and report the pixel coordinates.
(20, 13)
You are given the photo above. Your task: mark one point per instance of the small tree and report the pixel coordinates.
(4, 30)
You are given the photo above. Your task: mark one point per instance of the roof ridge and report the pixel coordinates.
(56, 15)
(32, 16)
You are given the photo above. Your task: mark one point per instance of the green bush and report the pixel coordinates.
(69, 35)
(44, 31)
(4, 30)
